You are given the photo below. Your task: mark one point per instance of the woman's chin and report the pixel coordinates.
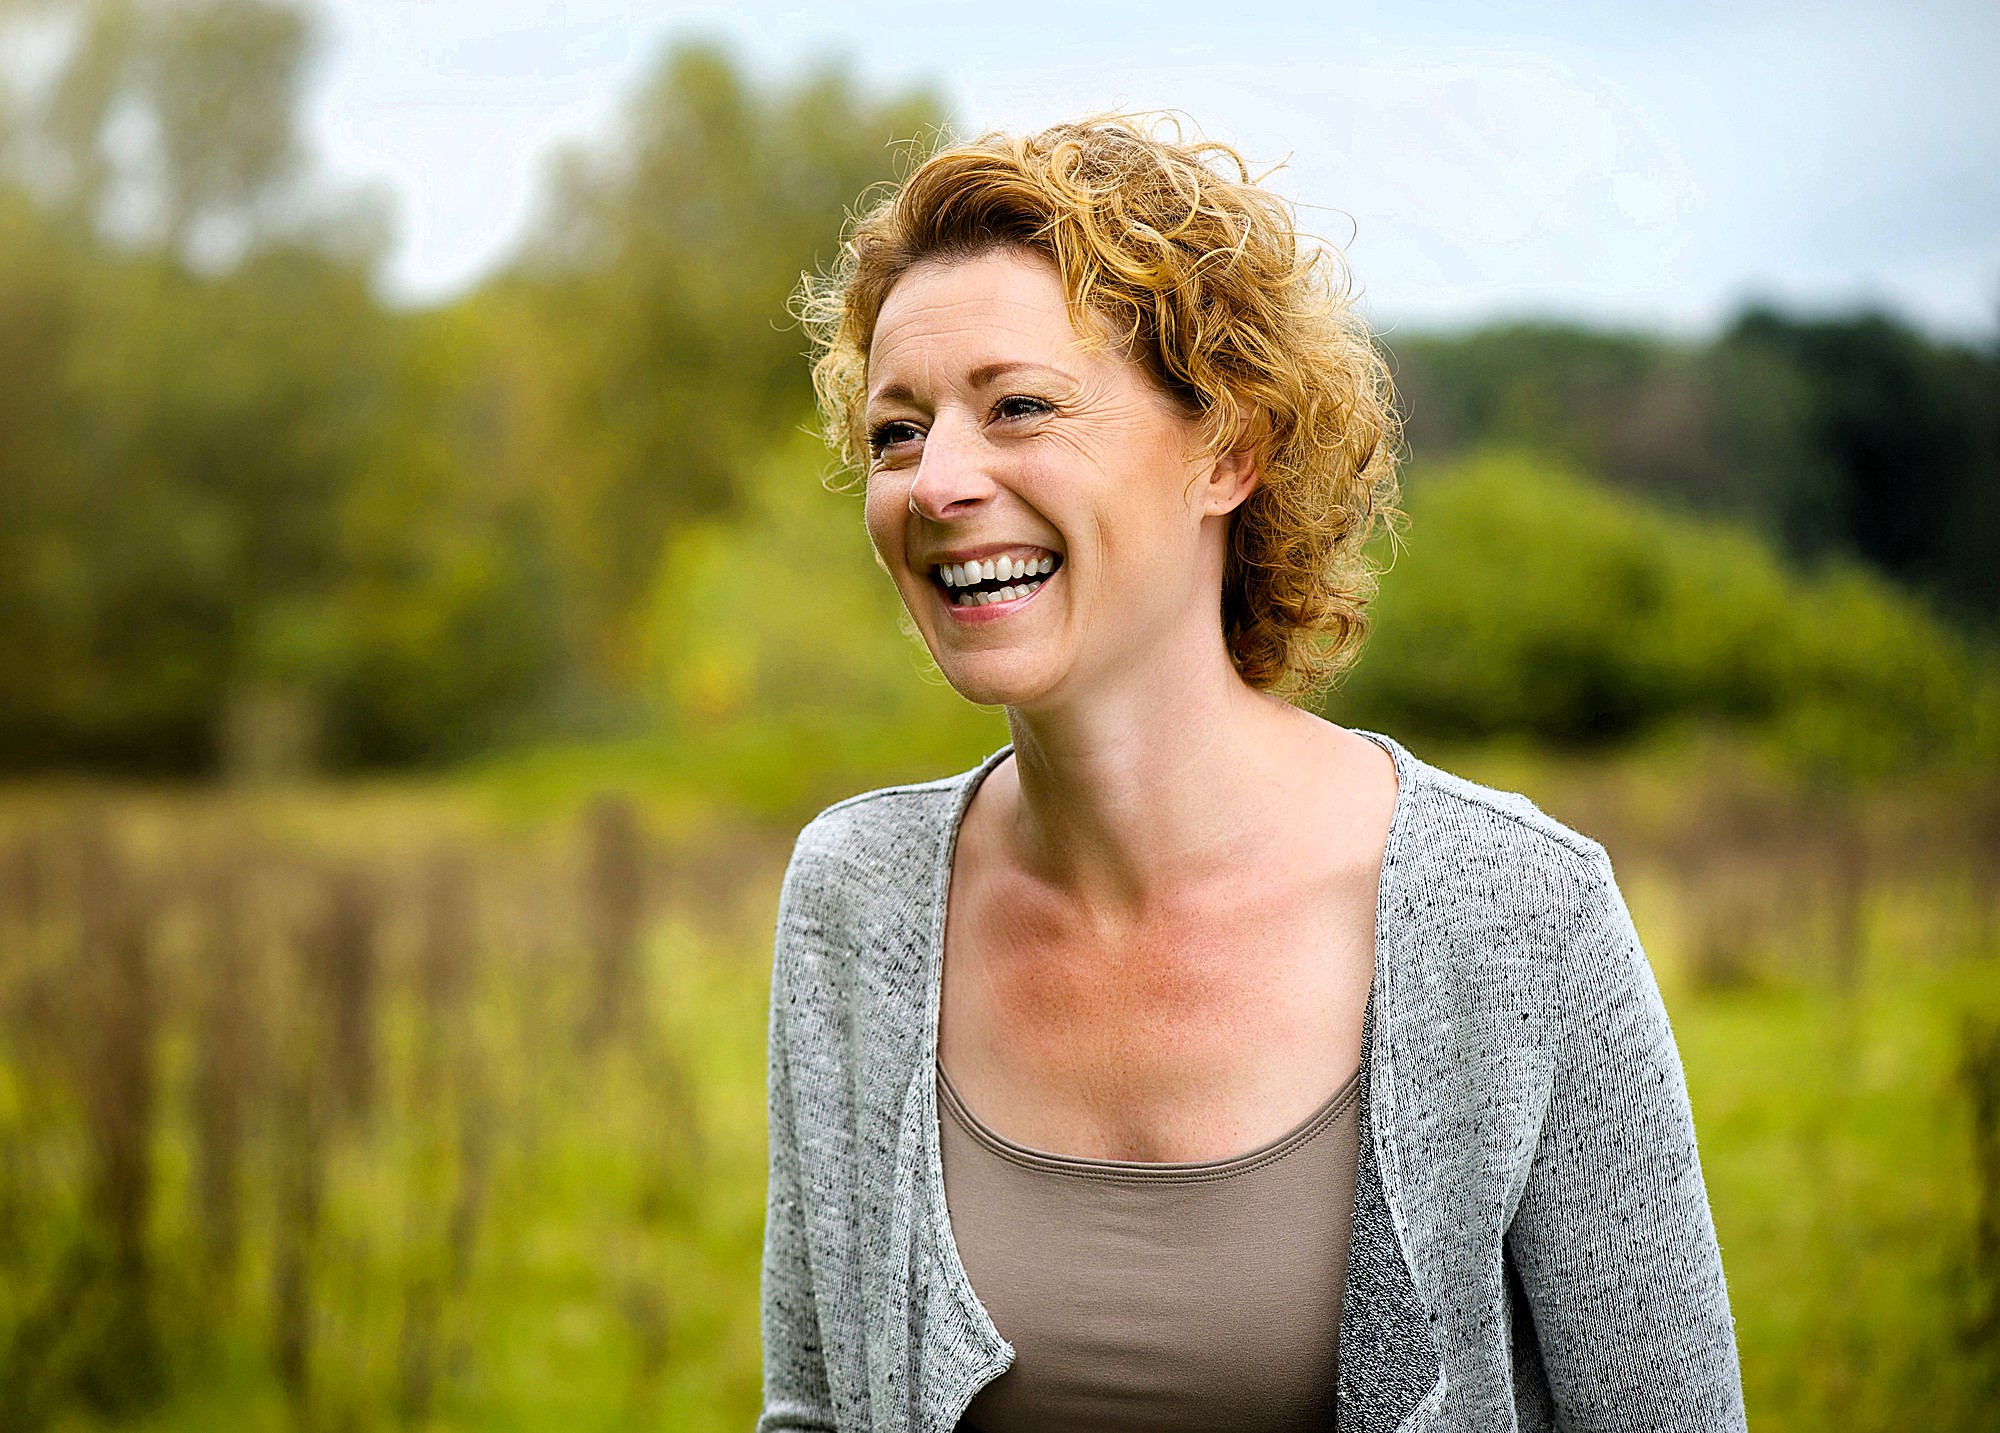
(995, 679)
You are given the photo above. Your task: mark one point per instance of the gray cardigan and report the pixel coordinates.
(1532, 1243)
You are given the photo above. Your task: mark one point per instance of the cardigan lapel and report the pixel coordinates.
(957, 1348)
(1390, 1365)
(1391, 1360)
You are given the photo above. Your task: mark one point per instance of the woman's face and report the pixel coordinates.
(997, 438)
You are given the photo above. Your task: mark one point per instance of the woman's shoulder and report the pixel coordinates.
(881, 833)
(1484, 880)
(874, 853)
(1492, 905)
(1499, 836)
(1458, 808)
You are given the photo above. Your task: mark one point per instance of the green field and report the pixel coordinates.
(435, 1107)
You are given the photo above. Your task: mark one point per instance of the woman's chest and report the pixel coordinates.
(1195, 1035)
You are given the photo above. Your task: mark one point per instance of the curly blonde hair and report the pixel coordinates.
(1206, 280)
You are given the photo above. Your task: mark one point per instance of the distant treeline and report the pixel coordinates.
(247, 508)
(1854, 437)
(251, 515)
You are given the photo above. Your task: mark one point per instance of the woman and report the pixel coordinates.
(1192, 1062)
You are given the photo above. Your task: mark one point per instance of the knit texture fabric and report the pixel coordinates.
(1532, 1243)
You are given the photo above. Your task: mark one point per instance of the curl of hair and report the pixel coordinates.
(1201, 275)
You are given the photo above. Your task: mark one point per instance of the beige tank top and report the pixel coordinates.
(1163, 1297)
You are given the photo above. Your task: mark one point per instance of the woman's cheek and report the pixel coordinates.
(884, 504)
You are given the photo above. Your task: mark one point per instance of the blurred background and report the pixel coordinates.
(423, 627)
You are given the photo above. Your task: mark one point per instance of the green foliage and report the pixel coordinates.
(1530, 603)
(1912, 429)
(449, 630)
(217, 486)
(660, 277)
(1850, 437)
(249, 515)
(172, 490)
(224, 487)
(783, 672)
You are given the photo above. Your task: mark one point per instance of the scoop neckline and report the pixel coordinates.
(1144, 1171)
(971, 781)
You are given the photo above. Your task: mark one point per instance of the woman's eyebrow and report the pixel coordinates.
(893, 393)
(987, 373)
(983, 376)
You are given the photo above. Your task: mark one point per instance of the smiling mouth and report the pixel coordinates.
(1003, 579)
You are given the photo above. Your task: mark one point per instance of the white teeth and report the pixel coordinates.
(1010, 593)
(1006, 569)
(1000, 569)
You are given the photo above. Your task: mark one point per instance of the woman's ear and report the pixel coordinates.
(1230, 481)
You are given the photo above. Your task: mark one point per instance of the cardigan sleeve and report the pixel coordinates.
(796, 1394)
(1613, 1238)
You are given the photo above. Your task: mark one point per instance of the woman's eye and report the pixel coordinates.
(1022, 406)
(884, 436)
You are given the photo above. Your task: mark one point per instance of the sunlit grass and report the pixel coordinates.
(535, 1223)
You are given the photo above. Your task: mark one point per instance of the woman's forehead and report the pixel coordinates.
(974, 315)
(1020, 291)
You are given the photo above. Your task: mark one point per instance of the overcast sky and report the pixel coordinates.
(1655, 165)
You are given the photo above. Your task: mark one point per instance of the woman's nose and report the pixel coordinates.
(950, 480)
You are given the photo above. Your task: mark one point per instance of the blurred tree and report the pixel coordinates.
(230, 484)
(1853, 437)
(1531, 603)
(173, 495)
(1910, 431)
(169, 123)
(658, 280)
(248, 509)
(451, 602)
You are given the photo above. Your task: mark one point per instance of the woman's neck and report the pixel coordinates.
(1165, 782)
